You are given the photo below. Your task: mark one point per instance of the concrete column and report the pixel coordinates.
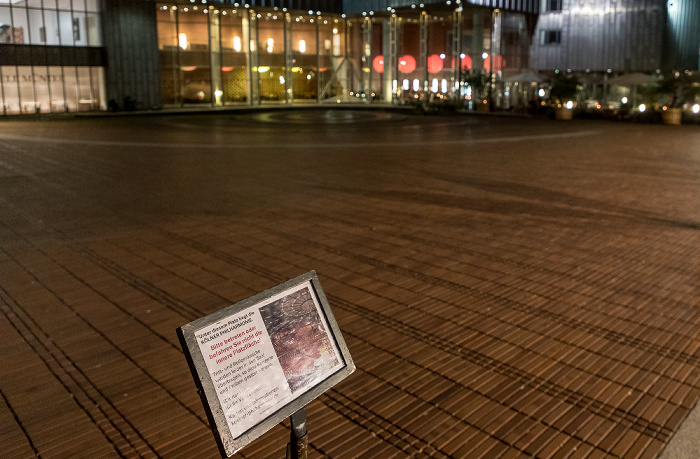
(389, 47)
(215, 59)
(478, 40)
(131, 48)
(250, 32)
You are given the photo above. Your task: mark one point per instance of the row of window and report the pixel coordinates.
(51, 89)
(74, 5)
(21, 25)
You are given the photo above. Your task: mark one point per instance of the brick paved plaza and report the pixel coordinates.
(507, 287)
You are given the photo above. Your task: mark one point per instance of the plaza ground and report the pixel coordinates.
(507, 286)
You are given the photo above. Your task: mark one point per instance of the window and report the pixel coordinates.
(551, 37)
(552, 5)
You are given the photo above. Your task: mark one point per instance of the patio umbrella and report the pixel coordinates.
(633, 79)
(525, 77)
(529, 77)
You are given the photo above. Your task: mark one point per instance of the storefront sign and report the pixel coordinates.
(258, 361)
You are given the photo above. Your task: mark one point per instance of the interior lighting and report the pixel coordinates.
(443, 86)
(263, 69)
(624, 100)
(462, 56)
(484, 55)
(407, 64)
(434, 85)
(335, 30)
(696, 108)
(416, 85)
(642, 107)
(302, 46)
(281, 80)
(308, 76)
(405, 84)
(182, 40)
(218, 93)
(378, 64)
(434, 63)
(270, 45)
(540, 93)
(442, 56)
(237, 44)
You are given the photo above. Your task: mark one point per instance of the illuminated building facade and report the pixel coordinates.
(51, 56)
(81, 55)
(225, 53)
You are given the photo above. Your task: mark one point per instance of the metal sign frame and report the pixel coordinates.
(227, 443)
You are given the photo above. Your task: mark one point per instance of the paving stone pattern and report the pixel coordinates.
(507, 287)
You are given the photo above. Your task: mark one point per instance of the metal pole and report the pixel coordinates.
(298, 445)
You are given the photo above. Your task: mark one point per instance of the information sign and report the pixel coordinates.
(258, 361)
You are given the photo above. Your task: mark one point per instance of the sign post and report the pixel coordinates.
(263, 359)
(298, 445)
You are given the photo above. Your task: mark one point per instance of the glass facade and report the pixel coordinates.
(47, 89)
(42, 64)
(218, 54)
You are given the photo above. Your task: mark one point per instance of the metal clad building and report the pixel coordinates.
(361, 6)
(131, 49)
(597, 35)
(683, 35)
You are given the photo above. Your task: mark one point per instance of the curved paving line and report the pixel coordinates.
(362, 416)
(488, 363)
(535, 193)
(142, 285)
(123, 436)
(304, 145)
(612, 335)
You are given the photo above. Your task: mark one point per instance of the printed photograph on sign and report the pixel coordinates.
(300, 339)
